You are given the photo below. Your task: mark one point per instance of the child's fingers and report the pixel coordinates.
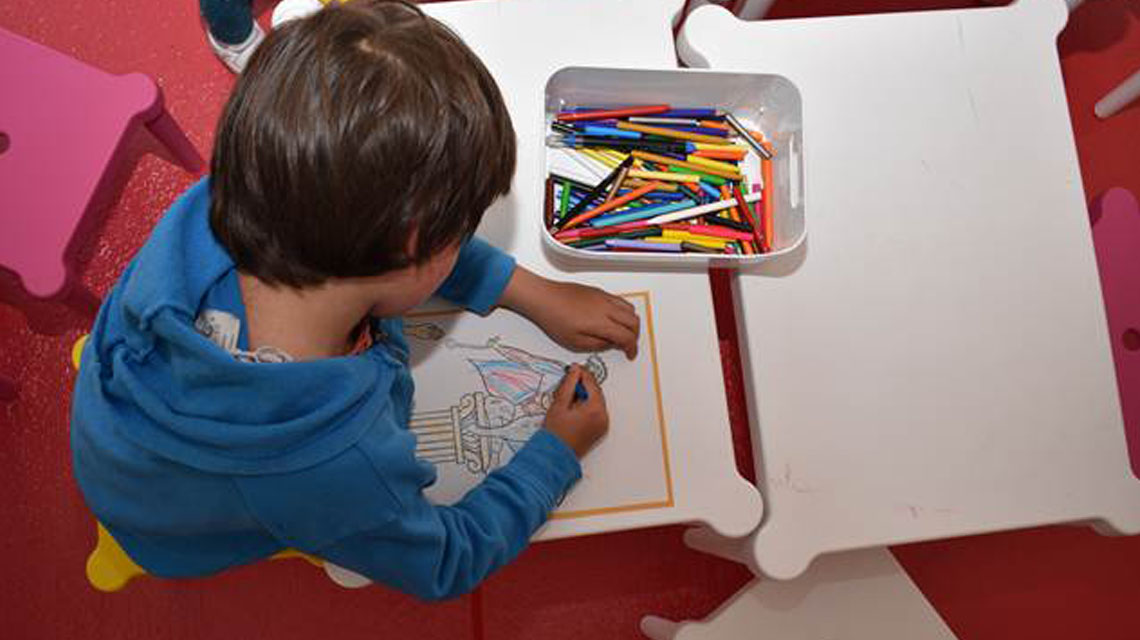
(618, 335)
(593, 388)
(585, 342)
(629, 320)
(627, 317)
(564, 393)
(622, 303)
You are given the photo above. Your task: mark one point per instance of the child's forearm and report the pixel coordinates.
(524, 291)
(578, 317)
(437, 552)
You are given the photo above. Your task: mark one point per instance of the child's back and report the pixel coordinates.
(352, 165)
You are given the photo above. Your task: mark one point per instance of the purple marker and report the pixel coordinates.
(638, 245)
(707, 131)
(690, 113)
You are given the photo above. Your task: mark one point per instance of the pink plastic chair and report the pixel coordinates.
(63, 125)
(1116, 234)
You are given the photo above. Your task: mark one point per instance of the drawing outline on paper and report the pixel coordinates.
(482, 425)
(483, 386)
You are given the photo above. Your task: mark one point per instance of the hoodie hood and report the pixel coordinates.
(150, 376)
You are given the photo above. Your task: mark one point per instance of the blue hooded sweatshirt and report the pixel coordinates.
(195, 461)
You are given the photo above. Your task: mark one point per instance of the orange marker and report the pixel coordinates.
(714, 124)
(669, 133)
(612, 204)
(766, 216)
(660, 159)
(720, 154)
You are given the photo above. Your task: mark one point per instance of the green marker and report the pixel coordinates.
(564, 202)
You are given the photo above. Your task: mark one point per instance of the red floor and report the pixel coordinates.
(1049, 583)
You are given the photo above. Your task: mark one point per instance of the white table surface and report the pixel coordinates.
(523, 42)
(935, 360)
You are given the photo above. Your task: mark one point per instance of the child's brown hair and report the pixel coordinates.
(350, 131)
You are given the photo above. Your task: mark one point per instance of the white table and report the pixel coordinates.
(859, 595)
(523, 42)
(935, 361)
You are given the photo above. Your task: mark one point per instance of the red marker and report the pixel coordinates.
(608, 114)
(748, 212)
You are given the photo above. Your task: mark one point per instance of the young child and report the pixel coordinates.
(246, 386)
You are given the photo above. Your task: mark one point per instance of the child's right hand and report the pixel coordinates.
(578, 423)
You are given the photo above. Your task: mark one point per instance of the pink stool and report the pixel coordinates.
(63, 125)
(1116, 234)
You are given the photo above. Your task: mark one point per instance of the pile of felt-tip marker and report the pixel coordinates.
(659, 180)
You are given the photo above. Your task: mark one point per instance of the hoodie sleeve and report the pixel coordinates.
(479, 277)
(437, 552)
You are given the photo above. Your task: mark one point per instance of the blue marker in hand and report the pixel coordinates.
(580, 392)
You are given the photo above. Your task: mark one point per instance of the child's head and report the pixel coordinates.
(362, 140)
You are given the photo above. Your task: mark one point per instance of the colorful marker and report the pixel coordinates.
(700, 210)
(612, 204)
(603, 114)
(664, 180)
(657, 247)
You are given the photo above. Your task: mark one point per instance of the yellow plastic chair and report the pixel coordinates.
(109, 568)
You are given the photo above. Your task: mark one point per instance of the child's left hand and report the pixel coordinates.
(575, 316)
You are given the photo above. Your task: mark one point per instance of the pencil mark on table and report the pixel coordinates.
(785, 481)
(916, 511)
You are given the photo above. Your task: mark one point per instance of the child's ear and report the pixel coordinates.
(413, 239)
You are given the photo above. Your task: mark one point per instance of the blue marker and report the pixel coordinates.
(580, 393)
(690, 113)
(640, 213)
(611, 132)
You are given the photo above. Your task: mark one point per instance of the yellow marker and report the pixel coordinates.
(663, 175)
(676, 239)
(694, 237)
(598, 157)
(668, 133)
(673, 162)
(712, 164)
(708, 146)
(614, 153)
(633, 183)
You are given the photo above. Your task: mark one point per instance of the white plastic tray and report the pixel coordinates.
(769, 102)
